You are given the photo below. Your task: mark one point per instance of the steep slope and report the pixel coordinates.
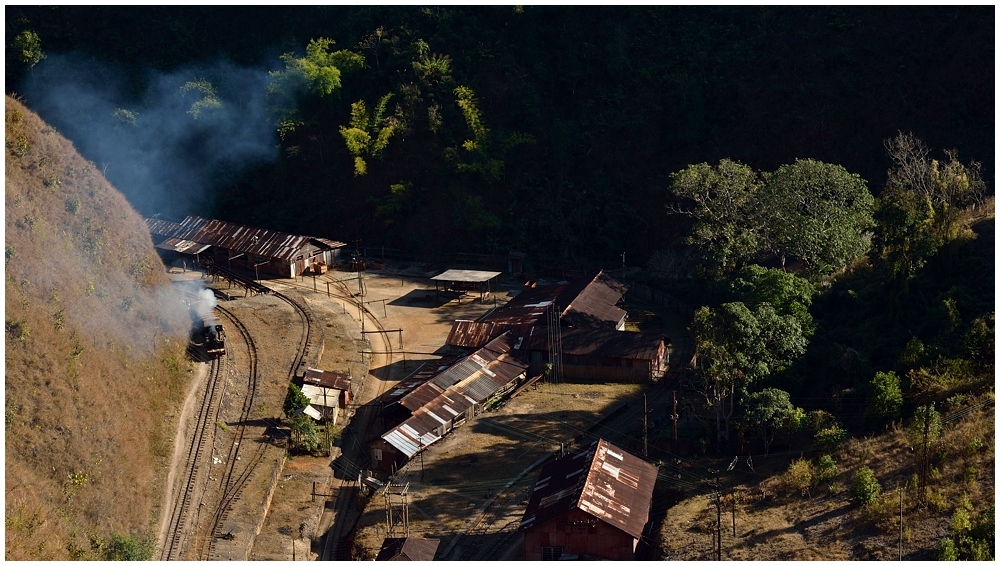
(94, 352)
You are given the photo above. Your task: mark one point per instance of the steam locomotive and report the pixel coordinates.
(207, 334)
(212, 336)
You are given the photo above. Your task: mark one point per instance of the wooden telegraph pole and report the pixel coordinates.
(674, 416)
(645, 426)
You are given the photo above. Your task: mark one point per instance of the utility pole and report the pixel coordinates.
(732, 493)
(645, 428)
(674, 416)
(923, 458)
(718, 526)
(900, 491)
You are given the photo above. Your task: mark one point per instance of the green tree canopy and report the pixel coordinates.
(295, 400)
(317, 73)
(919, 209)
(788, 293)
(885, 398)
(766, 412)
(818, 213)
(29, 48)
(723, 200)
(737, 347)
(368, 135)
(304, 434)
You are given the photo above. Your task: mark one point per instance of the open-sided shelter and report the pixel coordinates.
(458, 281)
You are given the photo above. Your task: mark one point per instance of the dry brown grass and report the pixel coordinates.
(94, 352)
(777, 520)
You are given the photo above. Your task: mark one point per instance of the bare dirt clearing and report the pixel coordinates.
(469, 489)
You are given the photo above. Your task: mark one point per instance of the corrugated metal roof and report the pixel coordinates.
(321, 396)
(244, 239)
(182, 246)
(475, 334)
(600, 342)
(452, 392)
(407, 440)
(160, 227)
(594, 303)
(329, 379)
(466, 276)
(416, 549)
(481, 360)
(603, 481)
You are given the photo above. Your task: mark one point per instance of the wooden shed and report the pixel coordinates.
(592, 505)
(233, 245)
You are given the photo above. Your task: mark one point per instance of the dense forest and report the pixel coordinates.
(816, 182)
(551, 130)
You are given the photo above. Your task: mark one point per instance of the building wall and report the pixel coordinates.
(579, 533)
(385, 457)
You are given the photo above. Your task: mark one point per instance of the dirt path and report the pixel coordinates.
(187, 414)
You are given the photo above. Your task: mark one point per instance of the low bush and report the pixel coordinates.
(866, 488)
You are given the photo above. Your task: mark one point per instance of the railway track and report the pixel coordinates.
(235, 479)
(176, 545)
(337, 542)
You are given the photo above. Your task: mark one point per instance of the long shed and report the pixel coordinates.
(255, 249)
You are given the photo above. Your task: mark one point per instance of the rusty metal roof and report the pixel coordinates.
(328, 379)
(593, 302)
(603, 480)
(452, 392)
(407, 385)
(475, 334)
(485, 360)
(411, 548)
(600, 342)
(269, 244)
(160, 227)
(182, 246)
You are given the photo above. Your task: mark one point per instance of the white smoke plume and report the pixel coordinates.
(168, 145)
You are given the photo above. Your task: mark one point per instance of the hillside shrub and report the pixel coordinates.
(826, 468)
(885, 398)
(831, 437)
(799, 477)
(866, 487)
(969, 538)
(129, 547)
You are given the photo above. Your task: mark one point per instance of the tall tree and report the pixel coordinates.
(367, 135)
(318, 72)
(28, 46)
(919, 210)
(736, 348)
(818, 213)
(723, 200)
(766, 412)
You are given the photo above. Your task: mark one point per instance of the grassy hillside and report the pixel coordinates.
(94, 355)
(802, 505)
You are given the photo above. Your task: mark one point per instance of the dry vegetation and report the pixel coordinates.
(806, 514)
(94, 344)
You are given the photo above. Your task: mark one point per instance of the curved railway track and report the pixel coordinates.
(233, 480)
(336, 545)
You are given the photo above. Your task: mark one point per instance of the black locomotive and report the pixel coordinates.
(212, 336)
(207, 336)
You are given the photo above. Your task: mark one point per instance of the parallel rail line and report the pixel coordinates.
(179, 516)
(233, 481)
